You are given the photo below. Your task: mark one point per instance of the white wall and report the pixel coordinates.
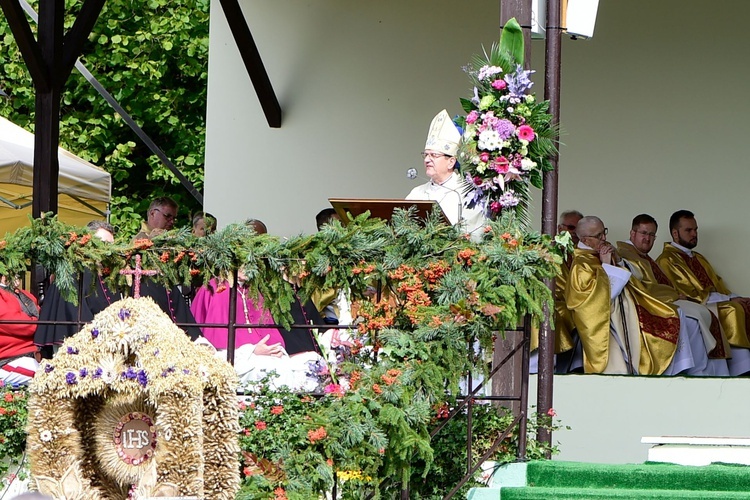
(358, 83)
(609, 415)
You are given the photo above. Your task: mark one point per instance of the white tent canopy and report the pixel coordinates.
(83, 189)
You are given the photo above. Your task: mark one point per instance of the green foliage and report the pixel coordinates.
(153, 58)
(13, 417)
(511, 40)
(439, 293)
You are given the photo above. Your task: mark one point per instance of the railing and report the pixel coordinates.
(467, 401)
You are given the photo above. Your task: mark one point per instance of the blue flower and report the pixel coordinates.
(130, 373)
(83, 372)
(124, 314)
(72, 350)
(98, 373)
(48, 368)
(70, 378)
(518, 81)
(94, 332)
(142, 378)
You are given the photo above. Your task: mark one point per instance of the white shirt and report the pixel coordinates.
(450, 197)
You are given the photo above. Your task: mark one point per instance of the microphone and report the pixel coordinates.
(412, 174)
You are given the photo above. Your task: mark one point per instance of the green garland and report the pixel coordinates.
(507, 271)
(440, 291)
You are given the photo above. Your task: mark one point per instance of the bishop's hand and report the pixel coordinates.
(262, 349)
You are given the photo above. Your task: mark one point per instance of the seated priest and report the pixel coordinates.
(18, 362)
(446, 186)
(635, 254)
(258, 350)
(693, 276)
(97, 296)
(569, 356)
(623, 329)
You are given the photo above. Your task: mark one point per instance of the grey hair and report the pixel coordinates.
(585, 224)
(568, 213)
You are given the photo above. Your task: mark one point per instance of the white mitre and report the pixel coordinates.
(443, 135)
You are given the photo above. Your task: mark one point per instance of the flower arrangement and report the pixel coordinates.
(13, 416)
(508, 135)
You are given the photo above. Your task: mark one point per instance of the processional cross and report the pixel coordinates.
(137, 273)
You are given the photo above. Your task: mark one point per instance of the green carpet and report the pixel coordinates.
(631, 494)
(578, 480)
(658, 476)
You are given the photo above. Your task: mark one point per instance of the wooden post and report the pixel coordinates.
(50, 59)
(508, 379)
(553, 50)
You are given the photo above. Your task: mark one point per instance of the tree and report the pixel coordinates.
(153, 57)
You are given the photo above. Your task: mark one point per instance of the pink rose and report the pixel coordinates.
(477, 181)
(551, 412)
(495, 206)
(499, 84)
(484, 156)
(525, 133)
(472, 117)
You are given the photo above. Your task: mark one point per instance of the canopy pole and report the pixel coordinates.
(553, 51)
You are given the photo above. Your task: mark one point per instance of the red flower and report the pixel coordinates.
(317, 434)
(279, 494)
(334, 389)
(277, 410)
(143, 244)
(260, 425)
(8, 397)
(551, 412)
(247, 432)
(377, 389)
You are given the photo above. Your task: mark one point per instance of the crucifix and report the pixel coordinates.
(137, 273)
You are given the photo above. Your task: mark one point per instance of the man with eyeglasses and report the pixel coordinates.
(693, 276)
(708, 338)
(623, 329)
(446, 186)
(160, 217)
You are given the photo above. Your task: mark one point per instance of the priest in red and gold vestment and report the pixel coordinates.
(707, 337)
(693, 276)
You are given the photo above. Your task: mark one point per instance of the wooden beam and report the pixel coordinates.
(77, 36)
(32, 54)
(253, 62)
(47, 109)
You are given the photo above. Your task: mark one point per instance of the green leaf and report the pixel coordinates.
(511, 40)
